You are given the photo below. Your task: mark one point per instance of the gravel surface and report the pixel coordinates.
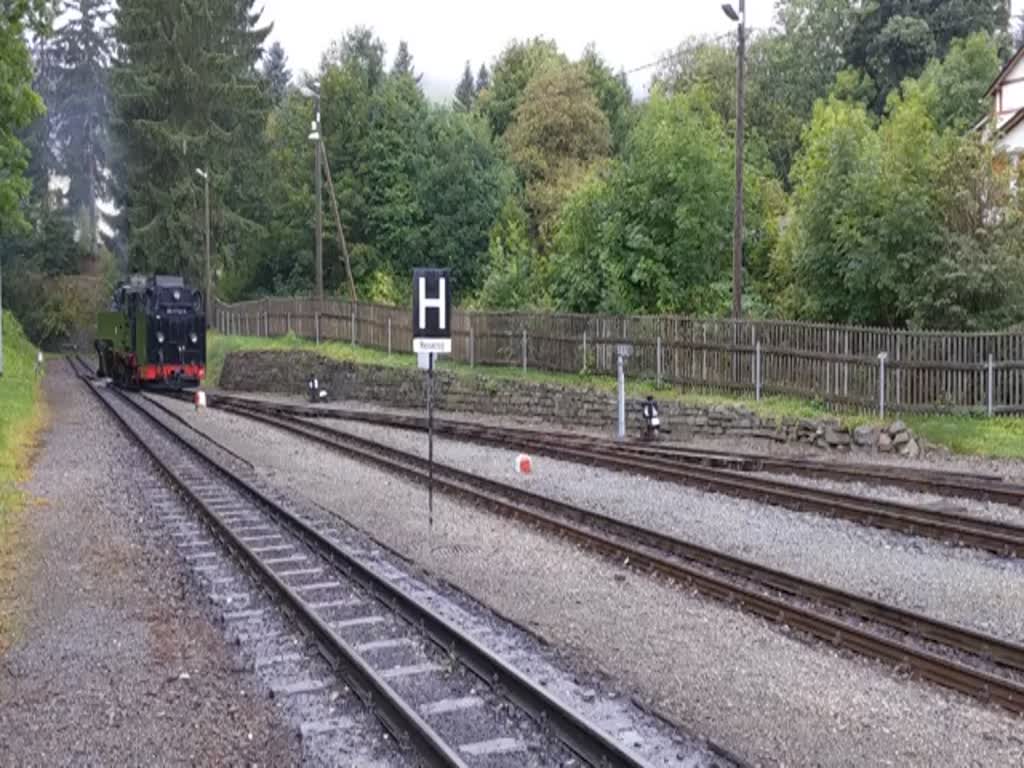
(1009, 469)
(972, 588)
(113, 663)
(983, 510)
(774, 699)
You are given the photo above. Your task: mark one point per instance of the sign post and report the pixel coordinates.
(432, 335)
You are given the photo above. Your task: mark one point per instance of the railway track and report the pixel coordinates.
(964, 530)
(390, 648)
(970, 662)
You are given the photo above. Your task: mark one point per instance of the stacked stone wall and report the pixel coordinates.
(285, 372)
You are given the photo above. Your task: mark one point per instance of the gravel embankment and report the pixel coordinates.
(959, 585)
(771, 698)
(112, 663)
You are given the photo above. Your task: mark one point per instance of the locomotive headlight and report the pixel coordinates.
(159, 337)
(177, 295)
(193, 338)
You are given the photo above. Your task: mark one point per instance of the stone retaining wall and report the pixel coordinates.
(285, 372)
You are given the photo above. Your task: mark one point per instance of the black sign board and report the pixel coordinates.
(432, 311)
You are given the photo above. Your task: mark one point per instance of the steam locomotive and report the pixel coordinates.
(153, 335)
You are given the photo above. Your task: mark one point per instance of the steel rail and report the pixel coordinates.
(652, 550)
(582, 737)
(990, 535)
(404, 723)
(985, 487)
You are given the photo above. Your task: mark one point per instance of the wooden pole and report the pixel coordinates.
(341, 231)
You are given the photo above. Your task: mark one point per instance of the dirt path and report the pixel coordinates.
(111, 662)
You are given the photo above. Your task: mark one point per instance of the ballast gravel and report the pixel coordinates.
(939, 459)
(110, 660)
(750, 686)
(964, 586)
(976, 508)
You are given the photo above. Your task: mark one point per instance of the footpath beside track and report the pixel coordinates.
(387, 645)
(973, 663)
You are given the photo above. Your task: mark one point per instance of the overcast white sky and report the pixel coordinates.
(444, 33)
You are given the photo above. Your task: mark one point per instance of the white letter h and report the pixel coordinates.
(436, 303)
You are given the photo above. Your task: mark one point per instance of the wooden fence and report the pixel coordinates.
(841, 366)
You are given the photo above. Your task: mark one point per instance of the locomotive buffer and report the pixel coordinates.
(432, 323)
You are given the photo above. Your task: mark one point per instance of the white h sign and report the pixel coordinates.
(431, 290)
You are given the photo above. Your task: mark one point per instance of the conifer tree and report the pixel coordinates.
(465, 93)
(483, 79)
(403, 63)
(276, 73)
(81, 110)
(188, 98)
(39, 136)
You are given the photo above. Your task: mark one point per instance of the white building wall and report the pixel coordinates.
(1013, 141)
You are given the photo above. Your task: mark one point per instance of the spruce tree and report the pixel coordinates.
(276, 73)
(81, 110)
(483, 79)
(403, 62)
(39, 136)
(465, 93)
(188, 96)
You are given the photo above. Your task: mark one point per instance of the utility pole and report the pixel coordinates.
(337, 220)
(319, 183)
(205, 174)
(737, 234)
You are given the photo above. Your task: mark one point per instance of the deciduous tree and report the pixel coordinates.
(558, 131)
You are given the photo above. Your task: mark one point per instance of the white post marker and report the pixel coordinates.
(431, 323)
(622, 351)
(882, 357)
(200, 399)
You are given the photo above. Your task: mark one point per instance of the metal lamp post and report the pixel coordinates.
(737, 236)
(314, 137)
(209, 280)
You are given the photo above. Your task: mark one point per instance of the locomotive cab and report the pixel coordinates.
(154, 334)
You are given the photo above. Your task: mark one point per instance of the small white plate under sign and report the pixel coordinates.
(437, 346)
(423, 361)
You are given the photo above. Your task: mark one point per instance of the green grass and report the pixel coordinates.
(21, 416)
(19, 411)
(218, 346)
(973, 435)
(997, 438)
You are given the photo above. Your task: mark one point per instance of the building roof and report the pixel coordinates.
(1012, 123)
(1005, 71)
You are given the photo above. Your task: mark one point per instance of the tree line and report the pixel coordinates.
(543, 183)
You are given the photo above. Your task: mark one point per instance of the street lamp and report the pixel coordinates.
(316, 136)
(737, 235)
(206, 296)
